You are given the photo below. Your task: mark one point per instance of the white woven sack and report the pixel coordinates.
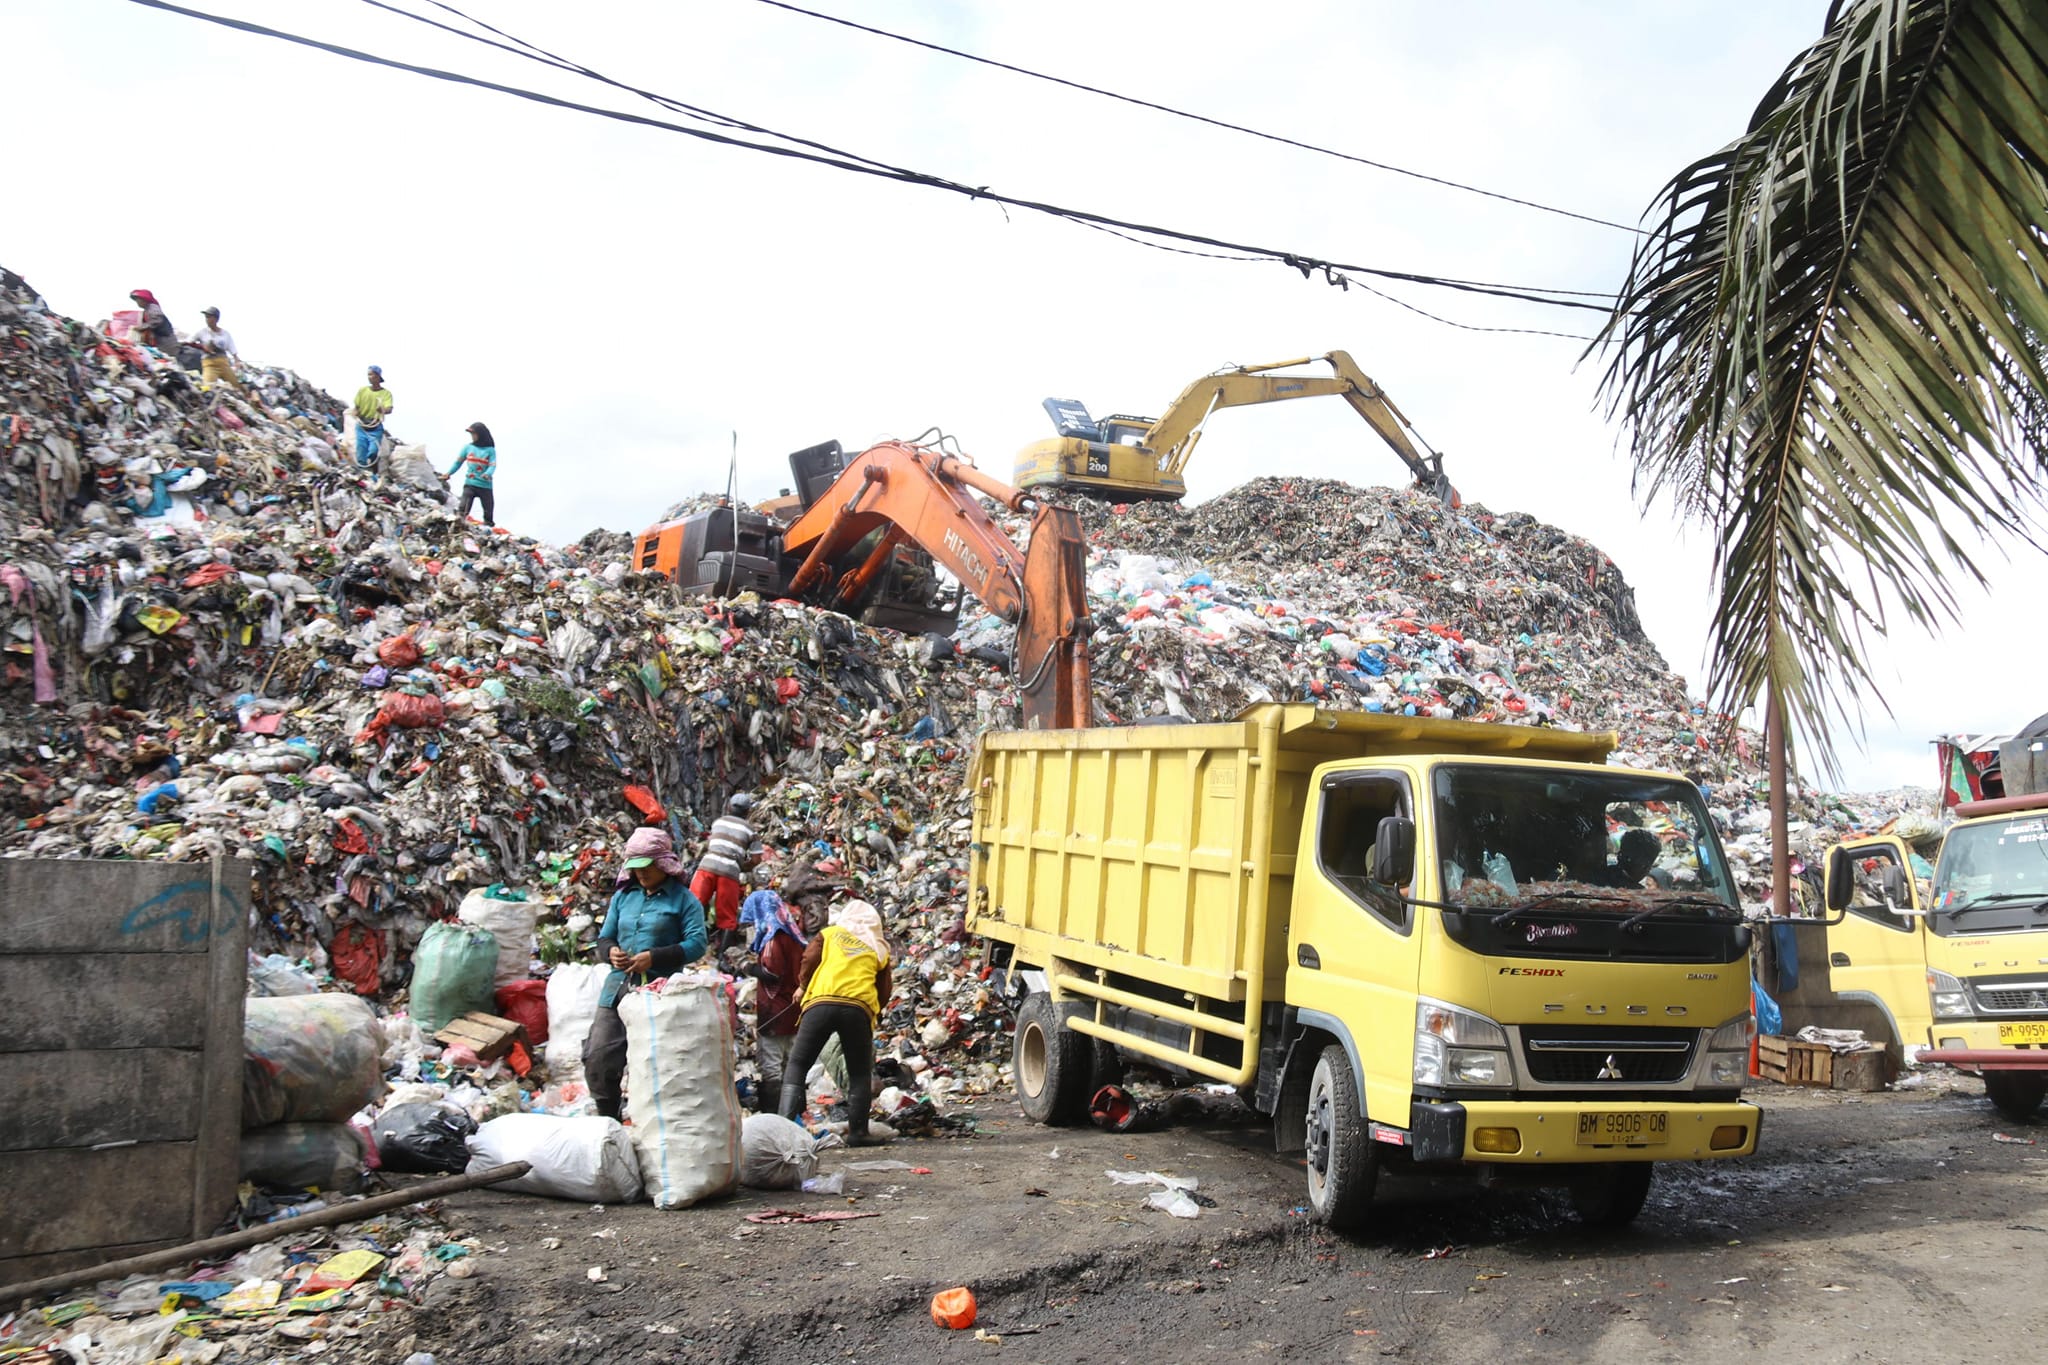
(586, 1158)
(573, 989)
(679, 1064)
(511, 923)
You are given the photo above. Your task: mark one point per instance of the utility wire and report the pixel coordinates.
(1307, 265)
(1200, 118)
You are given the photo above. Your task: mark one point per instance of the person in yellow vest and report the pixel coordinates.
(845, 981)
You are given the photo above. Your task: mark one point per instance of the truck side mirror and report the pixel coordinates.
(1893, 879)
(1841, 878)
(1393, 851)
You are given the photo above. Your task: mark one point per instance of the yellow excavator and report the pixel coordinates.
(1128, 459)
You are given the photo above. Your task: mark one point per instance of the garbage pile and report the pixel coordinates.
(223, 638)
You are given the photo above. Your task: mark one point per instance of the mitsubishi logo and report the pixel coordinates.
(1610, 1072)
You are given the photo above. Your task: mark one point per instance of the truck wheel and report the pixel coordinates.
(1342, 1166)
(1611, 1196)
(2016, 1094)
(1052, 1064)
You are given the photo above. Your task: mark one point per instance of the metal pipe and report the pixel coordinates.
(1201, 1066)
(1145, 1004)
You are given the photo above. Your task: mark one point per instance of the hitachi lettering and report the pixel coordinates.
(971, 560)
(1532, 971)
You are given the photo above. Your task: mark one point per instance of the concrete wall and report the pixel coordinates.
(121, 987)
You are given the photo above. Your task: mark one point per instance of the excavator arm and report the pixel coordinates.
(896, 494)
(1173, 437)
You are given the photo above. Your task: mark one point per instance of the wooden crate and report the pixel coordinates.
(1789, 1061)
(488, 1036)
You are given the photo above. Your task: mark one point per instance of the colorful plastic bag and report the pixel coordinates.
(525, 1003)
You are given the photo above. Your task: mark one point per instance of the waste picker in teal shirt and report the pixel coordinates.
(652, 914)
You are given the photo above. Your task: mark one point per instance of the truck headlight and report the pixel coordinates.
(1950, 998)
(1728, 1053)
(1457, 1047)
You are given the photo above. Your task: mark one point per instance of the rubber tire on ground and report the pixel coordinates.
(2016, 1094)
(1053, 1065)
(1611, 1196)
(1342, 1166)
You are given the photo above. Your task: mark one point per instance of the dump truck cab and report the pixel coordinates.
(1412, 942)
(1960, 979)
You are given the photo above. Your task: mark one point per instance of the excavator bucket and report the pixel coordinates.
(1052, 633)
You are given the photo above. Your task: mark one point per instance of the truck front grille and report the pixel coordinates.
(2013, 997)
(1605, 1056)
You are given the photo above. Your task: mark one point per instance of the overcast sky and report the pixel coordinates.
(618, 301)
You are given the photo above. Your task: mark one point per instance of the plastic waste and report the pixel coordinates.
(419, 1138)
(322, 1156)
(525, 1003)
(309, 1058)
(509, 916)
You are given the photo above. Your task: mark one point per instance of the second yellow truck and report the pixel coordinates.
(1414, 943)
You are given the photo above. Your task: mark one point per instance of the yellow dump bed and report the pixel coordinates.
(1176, 843)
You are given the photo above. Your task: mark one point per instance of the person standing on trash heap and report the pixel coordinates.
(478, 462)
(733, 848)
(155, 328)
(846, 979)
(373, 405)
(653, 927)
(781, 933)
(217, 351)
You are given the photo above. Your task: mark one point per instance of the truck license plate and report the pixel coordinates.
(2032, 1031)
(1604, 1128)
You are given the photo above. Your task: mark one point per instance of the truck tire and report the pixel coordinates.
(1611, 1196)
(2016, 1094)
(1342, 1166)
(1052, 1064)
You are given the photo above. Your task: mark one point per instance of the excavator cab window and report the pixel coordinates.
(1121, 430)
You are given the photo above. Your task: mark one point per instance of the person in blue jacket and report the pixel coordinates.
(478, 463)
(654, 927)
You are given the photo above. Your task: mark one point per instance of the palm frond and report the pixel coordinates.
(1830, 347)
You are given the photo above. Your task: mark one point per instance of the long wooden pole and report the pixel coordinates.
(266, 1232)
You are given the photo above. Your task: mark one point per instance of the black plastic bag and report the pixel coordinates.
(422, 1138)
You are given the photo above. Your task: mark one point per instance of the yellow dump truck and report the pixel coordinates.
(1412, 942)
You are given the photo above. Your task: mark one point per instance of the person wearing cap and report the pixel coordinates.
(217, 351)
(478, 462)
(653, 927)
(732, 849)
(845, 978)
(373, 405)
(155, 328)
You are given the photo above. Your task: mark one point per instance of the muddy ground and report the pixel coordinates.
(1885, 1227)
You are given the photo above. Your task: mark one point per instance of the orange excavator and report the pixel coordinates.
(873, 533)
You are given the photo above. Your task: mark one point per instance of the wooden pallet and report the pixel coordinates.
(488, 1036)
(1789, 1061)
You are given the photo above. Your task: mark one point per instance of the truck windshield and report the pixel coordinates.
(1607, 843)
(1993, 877)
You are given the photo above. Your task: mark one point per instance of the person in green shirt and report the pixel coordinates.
(373, 405)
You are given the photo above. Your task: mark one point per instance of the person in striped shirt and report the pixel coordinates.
(732, 850)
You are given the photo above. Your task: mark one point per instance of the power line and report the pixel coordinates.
(1201, 118)
(838, 161)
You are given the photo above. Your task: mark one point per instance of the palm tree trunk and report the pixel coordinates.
(1781, 842)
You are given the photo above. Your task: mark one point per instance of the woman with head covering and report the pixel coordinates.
(155, 328)
(778, 946)
(654, 927)
(845, 979)
(478, 462)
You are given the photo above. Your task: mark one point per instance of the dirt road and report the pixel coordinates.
(1889, 1227)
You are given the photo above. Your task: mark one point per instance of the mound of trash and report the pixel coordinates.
(224, 638)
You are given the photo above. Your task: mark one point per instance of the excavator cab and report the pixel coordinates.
(1107, 458)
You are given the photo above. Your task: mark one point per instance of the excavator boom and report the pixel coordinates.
(900, 506)
(1153, 465)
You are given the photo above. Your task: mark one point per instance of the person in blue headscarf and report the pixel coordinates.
(778, 943)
